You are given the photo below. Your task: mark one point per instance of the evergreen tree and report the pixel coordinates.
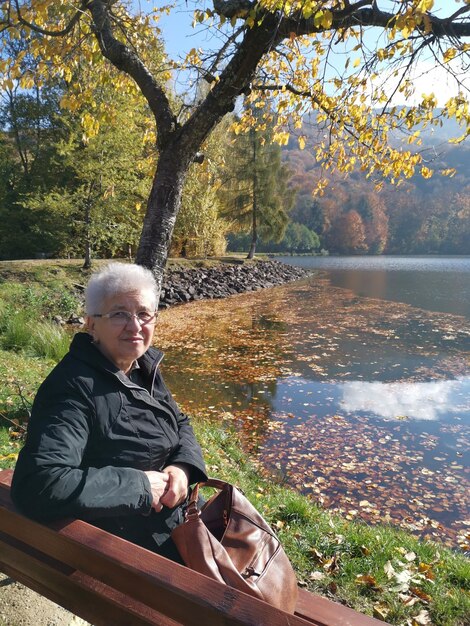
(255, 192)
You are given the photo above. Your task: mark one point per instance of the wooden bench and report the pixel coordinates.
(110, 582)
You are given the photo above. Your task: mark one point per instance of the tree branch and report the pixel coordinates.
(50, 33)
(357, 15)
(124, 59)
(233, 8)
(361, 13)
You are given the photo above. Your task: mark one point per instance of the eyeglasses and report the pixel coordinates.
(122, 318)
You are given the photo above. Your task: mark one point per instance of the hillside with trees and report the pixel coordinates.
(359, 215)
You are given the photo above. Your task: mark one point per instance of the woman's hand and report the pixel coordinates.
(159, 483)
(178, 482)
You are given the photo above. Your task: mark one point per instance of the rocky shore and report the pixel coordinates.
(184, 285)
(181, 284)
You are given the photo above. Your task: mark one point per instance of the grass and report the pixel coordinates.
(378, 570)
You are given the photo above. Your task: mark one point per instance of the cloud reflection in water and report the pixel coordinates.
(421, 401)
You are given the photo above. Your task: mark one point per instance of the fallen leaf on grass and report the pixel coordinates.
(9, 457)
(380, 611)
(424, 597)
(422, 619)
(333, 587)
(389, 570)
(368, 581)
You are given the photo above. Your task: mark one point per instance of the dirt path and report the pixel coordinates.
(20, 606)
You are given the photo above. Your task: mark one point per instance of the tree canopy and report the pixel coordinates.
(267, 50)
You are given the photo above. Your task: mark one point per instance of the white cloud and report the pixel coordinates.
(423, 401)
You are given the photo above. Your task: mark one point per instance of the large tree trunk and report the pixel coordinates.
(162, 209)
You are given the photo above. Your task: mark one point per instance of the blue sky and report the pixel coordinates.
(180, 37)
(177, 32)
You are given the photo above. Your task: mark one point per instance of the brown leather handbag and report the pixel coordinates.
(228, 540)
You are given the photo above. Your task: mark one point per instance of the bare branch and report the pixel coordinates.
(458, 13)
(17, 425)
(223, 49)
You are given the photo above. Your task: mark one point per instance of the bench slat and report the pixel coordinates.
(93, 601)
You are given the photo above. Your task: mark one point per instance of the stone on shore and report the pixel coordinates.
(181, 286)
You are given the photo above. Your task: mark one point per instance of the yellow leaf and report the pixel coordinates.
(327, 19)
(357, 62)
(318, 19)
(302, 142)
(381, 611)
(449, 55)
(8, 457)
(425, 5)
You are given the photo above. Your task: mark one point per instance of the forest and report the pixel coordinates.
(79, 159)
(64, 196)
(357, 215)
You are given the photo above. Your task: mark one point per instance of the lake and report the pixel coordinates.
(353, 385)
(432, 283)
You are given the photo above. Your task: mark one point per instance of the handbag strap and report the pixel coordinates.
(192, 508)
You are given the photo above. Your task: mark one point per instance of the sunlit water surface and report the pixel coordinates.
(358, 396)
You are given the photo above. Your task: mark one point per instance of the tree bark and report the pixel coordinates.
(162, 208)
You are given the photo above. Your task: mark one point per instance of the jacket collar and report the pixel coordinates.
(82, 348)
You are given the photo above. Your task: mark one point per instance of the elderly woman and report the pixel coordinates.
(106, 441)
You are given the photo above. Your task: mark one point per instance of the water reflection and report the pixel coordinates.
(434, 283)
(350, 399)
(422, 401)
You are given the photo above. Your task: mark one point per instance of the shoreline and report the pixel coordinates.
(181, 285)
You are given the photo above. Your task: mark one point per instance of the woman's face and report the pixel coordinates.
(123, 342)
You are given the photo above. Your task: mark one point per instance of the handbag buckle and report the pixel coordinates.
(192, 511)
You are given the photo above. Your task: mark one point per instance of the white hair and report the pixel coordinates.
(118, 278)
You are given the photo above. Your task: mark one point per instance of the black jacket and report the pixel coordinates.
(92, 434)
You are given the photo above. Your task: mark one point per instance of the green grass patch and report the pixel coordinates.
(20, 376)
